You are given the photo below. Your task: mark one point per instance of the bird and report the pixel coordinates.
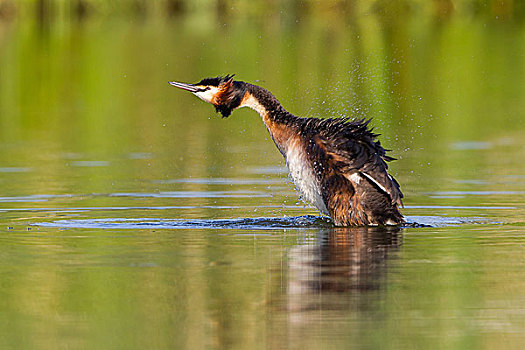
(337, 164)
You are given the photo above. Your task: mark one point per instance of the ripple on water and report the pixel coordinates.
(14, 170)
(476, 193)
(223, 181)
(306, 221)
(33, 198)
(262, 223)
(194, 194)
(470, 145)
(268, 170)
(90, 163)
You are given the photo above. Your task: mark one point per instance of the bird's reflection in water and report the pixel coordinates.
(344, 264)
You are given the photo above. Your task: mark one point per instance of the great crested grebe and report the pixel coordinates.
(336, 164)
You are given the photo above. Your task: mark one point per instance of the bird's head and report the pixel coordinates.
(222, 92)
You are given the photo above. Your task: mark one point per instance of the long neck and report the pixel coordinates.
(262, 101)
(280, 123)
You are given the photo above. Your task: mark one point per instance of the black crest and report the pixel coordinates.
(217, 81)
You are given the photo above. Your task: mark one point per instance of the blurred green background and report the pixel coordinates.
(90, 76)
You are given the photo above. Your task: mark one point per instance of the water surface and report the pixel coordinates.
(132, 216)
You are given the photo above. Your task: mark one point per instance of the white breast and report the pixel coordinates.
(304, 178)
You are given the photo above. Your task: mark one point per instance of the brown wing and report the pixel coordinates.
(349, 147)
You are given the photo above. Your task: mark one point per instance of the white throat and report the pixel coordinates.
(252, 103)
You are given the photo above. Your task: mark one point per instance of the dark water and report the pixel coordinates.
(131, 216)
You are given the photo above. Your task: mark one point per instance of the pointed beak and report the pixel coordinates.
(184, 86)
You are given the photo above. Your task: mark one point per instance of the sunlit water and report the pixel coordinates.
(133, 217)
